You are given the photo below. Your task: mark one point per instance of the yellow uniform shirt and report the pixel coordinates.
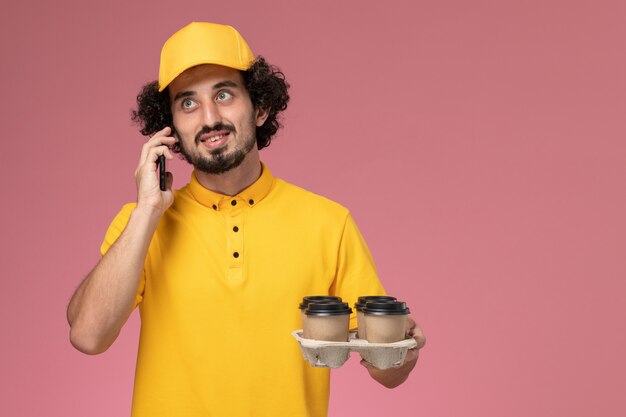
(219, 298)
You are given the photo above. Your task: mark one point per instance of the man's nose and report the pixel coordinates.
(211, 114)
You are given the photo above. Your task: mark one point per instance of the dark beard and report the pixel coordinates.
(220, 161)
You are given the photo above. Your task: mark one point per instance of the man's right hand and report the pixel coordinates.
(149, 195)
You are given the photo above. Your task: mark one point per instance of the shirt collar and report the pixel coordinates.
(251, 196)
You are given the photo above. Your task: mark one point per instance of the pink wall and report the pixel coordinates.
(479, 144)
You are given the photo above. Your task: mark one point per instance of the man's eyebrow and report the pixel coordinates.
(183, 94)
(221, 84)
(226, 83)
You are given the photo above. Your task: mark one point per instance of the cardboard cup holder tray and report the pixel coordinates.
(324, 354)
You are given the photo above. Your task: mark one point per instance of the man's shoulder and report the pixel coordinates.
(294, 194)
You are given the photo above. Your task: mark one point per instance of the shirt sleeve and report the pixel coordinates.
(356, 274)
(114, 231)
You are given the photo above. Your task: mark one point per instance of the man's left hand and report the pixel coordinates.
(393, 377)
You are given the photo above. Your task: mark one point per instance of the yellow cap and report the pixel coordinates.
(202, 43)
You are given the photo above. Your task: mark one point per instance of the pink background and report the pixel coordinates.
(479, 144)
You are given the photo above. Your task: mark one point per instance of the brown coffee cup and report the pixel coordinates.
(315, 299)
(386, 321)
(328, 321)
(360, 305)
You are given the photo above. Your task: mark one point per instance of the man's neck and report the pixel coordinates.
(235, 180)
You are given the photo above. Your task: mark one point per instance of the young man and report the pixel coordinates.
(218, 267)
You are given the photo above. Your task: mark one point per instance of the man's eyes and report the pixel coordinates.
(188, 104)
(223, 96)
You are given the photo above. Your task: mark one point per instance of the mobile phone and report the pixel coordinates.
(162, 172)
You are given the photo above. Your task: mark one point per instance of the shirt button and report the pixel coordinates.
(251, 201)
(214, 207)
(235, 229)
(236, 254)
(234, 202)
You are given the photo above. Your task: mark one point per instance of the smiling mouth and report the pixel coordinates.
(213, 138)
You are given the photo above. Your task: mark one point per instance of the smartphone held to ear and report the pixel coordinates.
(162, 172)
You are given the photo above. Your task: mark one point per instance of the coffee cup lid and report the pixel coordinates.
(318, 298)
(327, 309)
(360, 304)
(390, 308)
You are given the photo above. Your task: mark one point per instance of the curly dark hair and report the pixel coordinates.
(265, 83)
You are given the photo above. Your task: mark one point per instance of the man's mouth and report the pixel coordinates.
(213, 138)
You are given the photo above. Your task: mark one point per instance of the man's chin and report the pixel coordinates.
(220, 165)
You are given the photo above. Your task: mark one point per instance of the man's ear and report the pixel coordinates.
(261, 116)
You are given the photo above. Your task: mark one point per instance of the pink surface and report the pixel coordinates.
(480, 146)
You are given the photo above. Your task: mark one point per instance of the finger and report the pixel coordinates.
(150, 163)
(411, 355)
(156, 141)
(367, 365)
(410, 326)
(165, 131)
(168, 153)
(153, 155)
(169, 180)
(419, 337)
(159, 138)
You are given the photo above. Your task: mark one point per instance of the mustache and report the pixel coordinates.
(208, 129)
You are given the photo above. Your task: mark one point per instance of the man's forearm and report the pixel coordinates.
(104, 300)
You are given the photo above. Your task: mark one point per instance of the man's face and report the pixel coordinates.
(214, 118)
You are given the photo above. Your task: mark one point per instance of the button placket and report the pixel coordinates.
(234, 234)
